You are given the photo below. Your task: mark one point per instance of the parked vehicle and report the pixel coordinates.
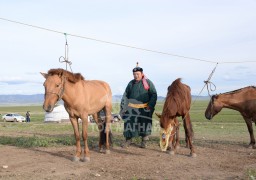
(114, 117)
(13, 117)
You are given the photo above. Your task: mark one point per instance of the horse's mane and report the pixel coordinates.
(175, 96)
(71, 77)
(237, 90)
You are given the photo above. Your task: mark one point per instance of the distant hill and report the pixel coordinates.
(22, 99)
(39, 99)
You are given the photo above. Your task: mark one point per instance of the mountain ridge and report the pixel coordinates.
(39, 99)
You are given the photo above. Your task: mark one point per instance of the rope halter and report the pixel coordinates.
(61, 91)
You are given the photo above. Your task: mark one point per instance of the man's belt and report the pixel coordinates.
(138, 105)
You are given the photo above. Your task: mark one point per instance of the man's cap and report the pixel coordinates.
(137, 68)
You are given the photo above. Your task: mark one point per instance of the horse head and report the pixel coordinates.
(214, 107)
(168, 128)
(54, 90)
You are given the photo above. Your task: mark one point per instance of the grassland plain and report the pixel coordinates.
(226, 131)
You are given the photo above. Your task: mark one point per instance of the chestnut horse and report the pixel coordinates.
(81, 98)
(242, 100)
(177, 104)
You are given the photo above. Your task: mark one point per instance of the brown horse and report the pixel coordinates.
(177, 104)
(242, 100)
(81, 98)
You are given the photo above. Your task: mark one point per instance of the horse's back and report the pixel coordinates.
(251, 92)
(97, 85)
(182, 90)
(94, 95)
(248, 97)
(188, 92)
(178, 98)
(96, 89)
(187, 98)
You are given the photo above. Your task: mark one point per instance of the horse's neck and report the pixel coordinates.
(69, 93)
(229, 101)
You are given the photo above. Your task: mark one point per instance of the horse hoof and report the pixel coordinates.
(86, 159)
(177, 147)
(193, 155)
(101, 151)
(107, 151)
(251, 147)
(75, 159)
(171, 152)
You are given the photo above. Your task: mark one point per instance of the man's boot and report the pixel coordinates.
(144, 141)
(127, 143)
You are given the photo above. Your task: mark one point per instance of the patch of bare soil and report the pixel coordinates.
(215, 160)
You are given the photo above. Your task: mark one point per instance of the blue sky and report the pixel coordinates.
(215, 30)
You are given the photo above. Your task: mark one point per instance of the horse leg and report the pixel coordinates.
(177, 135)
(186, 132)
(96, 117)
(250, 129)
(74, 123)
(188, 128)
(86, 157)
(107, 110)
(171, 149)
(174, 141)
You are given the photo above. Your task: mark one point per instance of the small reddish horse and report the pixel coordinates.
(177, 103)
(242, 100)
(81, 98)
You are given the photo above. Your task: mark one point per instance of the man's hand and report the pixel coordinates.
(147, 109)
(122, 112)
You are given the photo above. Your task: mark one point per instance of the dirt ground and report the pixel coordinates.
(215, 160)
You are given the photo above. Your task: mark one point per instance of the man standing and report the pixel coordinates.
(137, 107)
(27, 116)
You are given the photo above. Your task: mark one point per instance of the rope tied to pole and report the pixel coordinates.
(65, 59)
(207, 83)
(210, 84)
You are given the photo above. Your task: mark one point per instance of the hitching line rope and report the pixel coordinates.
(123, 45)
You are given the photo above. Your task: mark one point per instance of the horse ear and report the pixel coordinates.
(44, 75)
(71, 78)
(61, 73)
(215, 96)
(158, 115)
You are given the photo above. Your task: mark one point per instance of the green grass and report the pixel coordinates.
(36, 141)
(197, 112)
(228, 124)
(251, 174)
(228, 127)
